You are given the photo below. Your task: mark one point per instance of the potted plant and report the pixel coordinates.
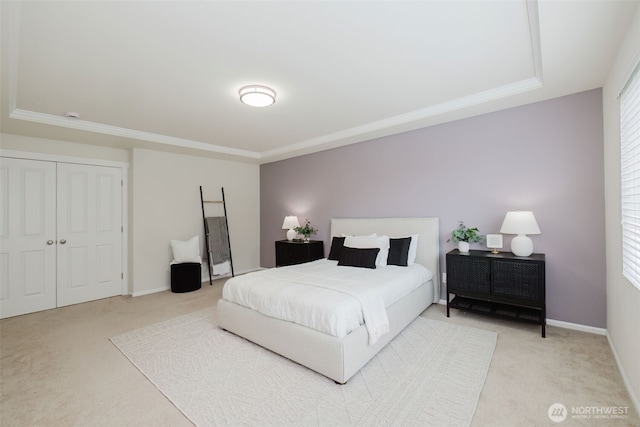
(306, 231)
(464, 235)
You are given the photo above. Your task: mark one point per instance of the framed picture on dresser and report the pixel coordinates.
(494, 242)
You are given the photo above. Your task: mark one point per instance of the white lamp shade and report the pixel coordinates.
(290, 222)
(520, 222)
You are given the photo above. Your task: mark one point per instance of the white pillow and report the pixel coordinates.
(413, 250)
(365, 242)
(188, 251)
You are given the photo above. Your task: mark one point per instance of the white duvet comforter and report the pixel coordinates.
(324, 296)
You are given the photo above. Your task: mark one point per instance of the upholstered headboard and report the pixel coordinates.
(428, 229)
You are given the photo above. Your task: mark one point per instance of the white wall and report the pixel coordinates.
(623, 299)
(166, 205)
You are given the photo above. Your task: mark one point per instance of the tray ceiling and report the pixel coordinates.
(167, 74)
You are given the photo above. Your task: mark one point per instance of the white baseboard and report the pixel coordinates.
(565, 325)
(204, 280)
(634, 398)
(577, 327)
(150, 291)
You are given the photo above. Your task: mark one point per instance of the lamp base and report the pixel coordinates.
(291, 234)
(521, 245)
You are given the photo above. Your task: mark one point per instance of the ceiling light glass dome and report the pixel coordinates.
(257, 96)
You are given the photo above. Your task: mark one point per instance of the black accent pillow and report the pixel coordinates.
(399, 251)
(337, 243)
(353, 257)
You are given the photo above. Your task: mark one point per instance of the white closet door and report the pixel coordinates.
(27, 236)
(89, 233)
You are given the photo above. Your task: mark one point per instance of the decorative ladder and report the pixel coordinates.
(206, 233)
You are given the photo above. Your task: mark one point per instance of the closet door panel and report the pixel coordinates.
(27, 236)
(90, 225)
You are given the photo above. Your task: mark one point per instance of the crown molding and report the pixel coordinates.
(49, 119)
(407, 118)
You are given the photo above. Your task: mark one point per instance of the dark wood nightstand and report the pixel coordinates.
(500, 285)
(297, 252)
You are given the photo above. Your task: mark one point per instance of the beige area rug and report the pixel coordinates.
(429, 375)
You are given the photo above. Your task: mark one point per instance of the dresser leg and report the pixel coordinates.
(447, 305)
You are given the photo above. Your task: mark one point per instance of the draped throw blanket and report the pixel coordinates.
(373, 309)
(218, 244)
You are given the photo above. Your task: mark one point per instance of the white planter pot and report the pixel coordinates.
(463, 247)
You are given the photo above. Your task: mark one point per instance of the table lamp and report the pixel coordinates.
(290, 222)
(520, 223)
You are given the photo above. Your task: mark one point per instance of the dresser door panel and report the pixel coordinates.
(467, 275)
(516, 280)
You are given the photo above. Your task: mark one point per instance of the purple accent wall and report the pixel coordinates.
(546, 157)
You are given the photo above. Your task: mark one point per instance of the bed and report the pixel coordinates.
(339, 356)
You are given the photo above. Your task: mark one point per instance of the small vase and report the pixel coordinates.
(306, 239)
(463, 247)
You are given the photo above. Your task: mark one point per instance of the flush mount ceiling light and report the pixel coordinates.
(257, 96)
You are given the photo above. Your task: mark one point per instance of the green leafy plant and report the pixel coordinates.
(307, 230)
(464, 234)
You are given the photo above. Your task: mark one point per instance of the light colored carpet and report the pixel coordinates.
(431, 374)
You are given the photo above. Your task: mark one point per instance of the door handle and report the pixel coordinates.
(49, 242)
(62, 242)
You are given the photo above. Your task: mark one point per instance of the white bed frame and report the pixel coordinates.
(340, 358)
